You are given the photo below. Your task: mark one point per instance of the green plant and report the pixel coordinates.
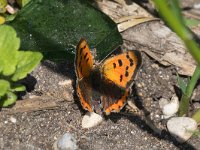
(63, 28)
(14, 65)
(22, 3)
(4, 16)
(171, 13)
(3, 4)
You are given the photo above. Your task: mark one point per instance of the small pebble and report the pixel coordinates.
(10, 9)
(181, 128)
(139, 85)
(169, 108)
(67, 95)
(140, 94)
(163, 102)
(197, 6)
(33, 96)
(13, 120)
(66, 142)
(91, 119)
(65, 82)
(155, 66)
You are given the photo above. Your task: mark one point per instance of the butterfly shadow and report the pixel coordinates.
(144, 122)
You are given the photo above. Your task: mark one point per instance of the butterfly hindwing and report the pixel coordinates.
(84, 93)
(83, 61)
(122, 69)
(114, 105)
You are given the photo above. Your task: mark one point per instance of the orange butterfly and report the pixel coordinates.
(105, 87)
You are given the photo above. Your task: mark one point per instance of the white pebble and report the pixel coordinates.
(10, 9)
(66, 142)
(163, 102)
(33, 96)
(55, 138)
(65, 82)
(197, 6)
(169, 108)
(13, 120)
(91, 119)
(181, 128)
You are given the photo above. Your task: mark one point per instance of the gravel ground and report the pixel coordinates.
(125, 130)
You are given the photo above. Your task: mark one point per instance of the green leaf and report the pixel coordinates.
(174, 5)
(4, 86)
(7, 100)
(27, 61)
(191, 22)
(181, 84)
(9, 44)
(1, 65)
(196, 116)
(52, 26)
(2, 20)
(3, 4)
(18, 88)
(10, 17)
(22, 3)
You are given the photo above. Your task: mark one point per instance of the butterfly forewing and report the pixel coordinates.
(121, 69)
(84, 60)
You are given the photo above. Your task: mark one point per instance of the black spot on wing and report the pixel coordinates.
(127, 55)
(120, 62)
(131, 62)
(121, 77)
(85, 55)
(127, 67)
(79, 64)
(114, 65)
(126, 74)
(87, 59)
(81, 50)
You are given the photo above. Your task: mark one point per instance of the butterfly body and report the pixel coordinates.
(104, 88)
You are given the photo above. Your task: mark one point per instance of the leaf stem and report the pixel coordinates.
(196, 116)
(184, 104)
